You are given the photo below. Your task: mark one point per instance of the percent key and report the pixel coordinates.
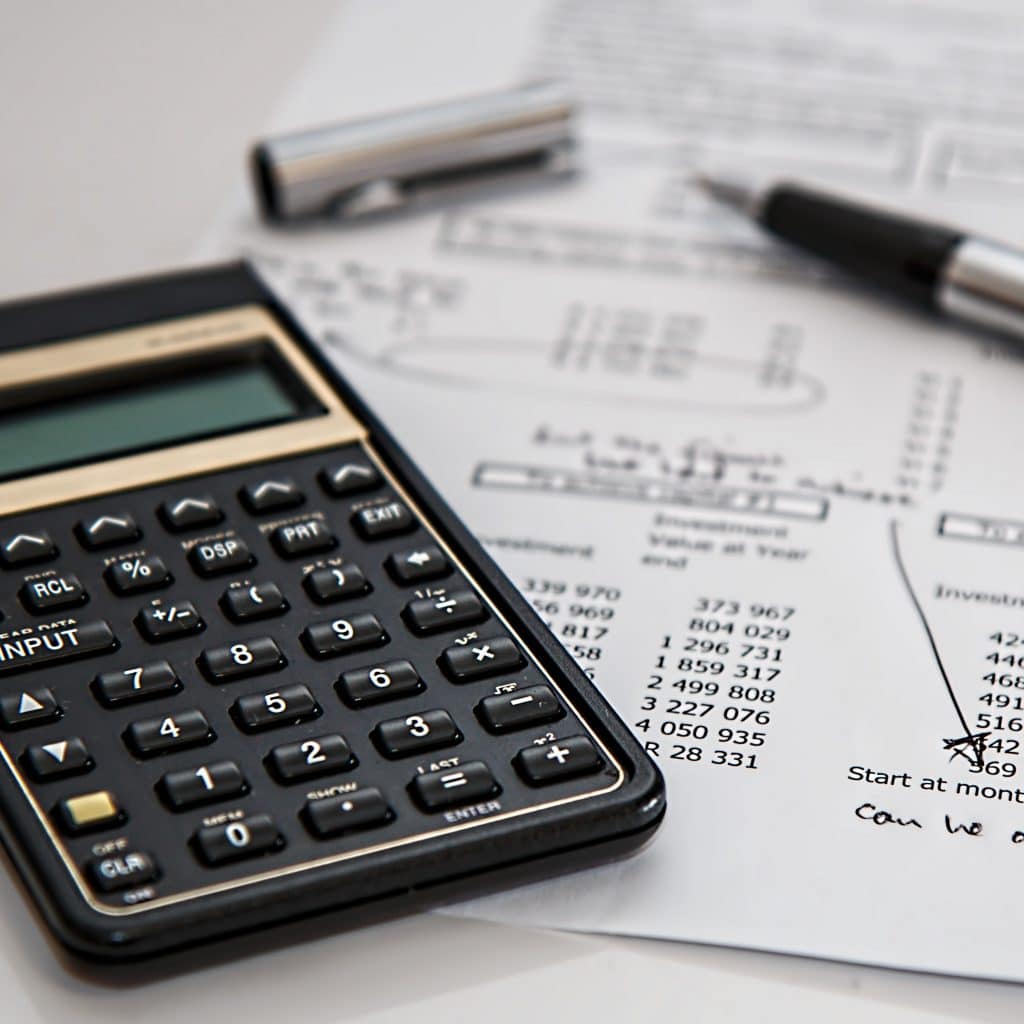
(137, 574)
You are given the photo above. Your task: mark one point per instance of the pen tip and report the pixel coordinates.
(732, 192)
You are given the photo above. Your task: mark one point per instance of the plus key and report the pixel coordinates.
(563, 759)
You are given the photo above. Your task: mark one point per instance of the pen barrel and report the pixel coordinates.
(898, 253)
(983, 283)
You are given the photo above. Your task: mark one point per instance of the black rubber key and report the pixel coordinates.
(374, 684)
(245, 658)
(341, 635)
(220, 844)
(166, 733)
(412, 734)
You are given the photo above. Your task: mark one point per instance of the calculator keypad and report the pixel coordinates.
(284, 664)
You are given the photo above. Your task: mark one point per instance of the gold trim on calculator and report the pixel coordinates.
(196, 334)
(166, 340)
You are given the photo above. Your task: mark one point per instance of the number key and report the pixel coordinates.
(206, 784)
(329, 639)
(161, 735)
(321, 755)
(218, 844)
(376, 683)
(427, 730)
(141, 682)
(235, 661)
(288, 706)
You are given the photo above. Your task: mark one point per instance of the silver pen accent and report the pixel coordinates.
(975, 280)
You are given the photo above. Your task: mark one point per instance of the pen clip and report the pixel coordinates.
(410, 158)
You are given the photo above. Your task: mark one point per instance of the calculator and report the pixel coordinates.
(252, 667)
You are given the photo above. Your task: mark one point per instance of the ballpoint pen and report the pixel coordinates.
(941, 268)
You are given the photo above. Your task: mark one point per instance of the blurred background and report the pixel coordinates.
(127, 120)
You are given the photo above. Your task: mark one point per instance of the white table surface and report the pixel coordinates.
(123, 125)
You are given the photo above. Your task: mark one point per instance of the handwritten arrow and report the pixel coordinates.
(975, 742)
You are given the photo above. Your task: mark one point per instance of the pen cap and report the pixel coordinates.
(394, 160)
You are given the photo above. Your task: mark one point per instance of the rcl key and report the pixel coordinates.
(48, 593)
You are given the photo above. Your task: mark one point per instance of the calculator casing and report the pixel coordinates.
(487, 856)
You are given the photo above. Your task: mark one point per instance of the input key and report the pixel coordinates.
(29, 648)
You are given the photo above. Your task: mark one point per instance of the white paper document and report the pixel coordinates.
(778, 520)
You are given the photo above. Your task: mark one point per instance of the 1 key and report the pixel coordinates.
(206, 784)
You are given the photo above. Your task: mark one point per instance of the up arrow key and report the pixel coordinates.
(106, 530)
(349, 478)
(190, 512)
(30, 707)
(23, 548)
(28, 704)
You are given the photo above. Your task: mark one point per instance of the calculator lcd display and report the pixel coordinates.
(168, 406)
